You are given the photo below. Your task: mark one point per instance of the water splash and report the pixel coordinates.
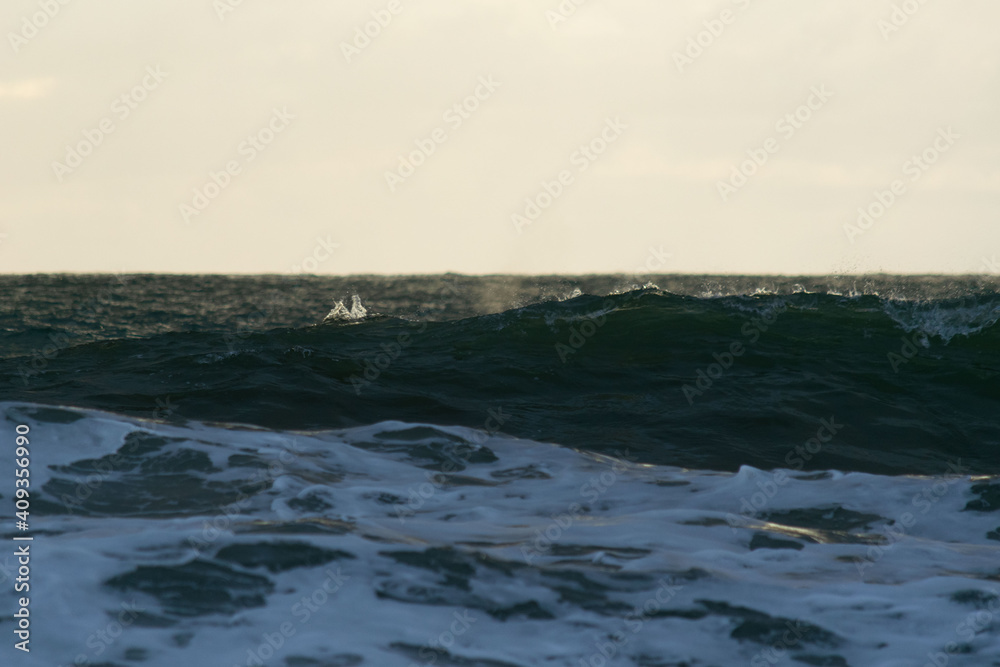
(342, 313)
(963, 317)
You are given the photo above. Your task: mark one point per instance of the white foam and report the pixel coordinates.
(623, 526)
(945, 321)
(342, 313)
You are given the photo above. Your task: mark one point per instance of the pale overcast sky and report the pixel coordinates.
(613, 120)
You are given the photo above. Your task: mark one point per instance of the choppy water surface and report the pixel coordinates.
(507, 471)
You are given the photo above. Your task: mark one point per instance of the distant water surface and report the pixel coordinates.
(495, 471)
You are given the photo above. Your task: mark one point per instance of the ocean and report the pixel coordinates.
(561, 471)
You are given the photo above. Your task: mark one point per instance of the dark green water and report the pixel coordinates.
(701, 372)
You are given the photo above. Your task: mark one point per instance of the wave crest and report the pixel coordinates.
(343, 313)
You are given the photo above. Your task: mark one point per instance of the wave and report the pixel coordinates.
(342, 313)
(396, 542)
(700, 382)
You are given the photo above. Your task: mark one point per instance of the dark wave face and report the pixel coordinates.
(889, 375)
(512, 472)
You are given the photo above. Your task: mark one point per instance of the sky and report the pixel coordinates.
(500, 136)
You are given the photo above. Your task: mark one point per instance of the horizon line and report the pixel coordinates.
(512, 275)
